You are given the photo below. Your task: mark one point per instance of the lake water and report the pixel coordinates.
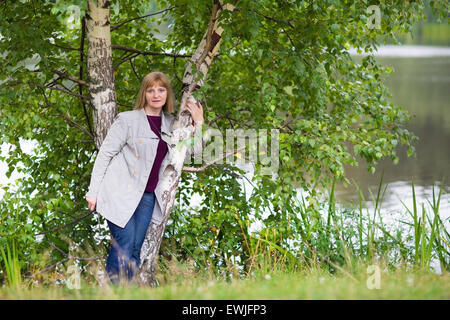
(420, 84)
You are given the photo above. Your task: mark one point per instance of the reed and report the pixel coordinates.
(11, 265)
(342, 237)
(430, 235)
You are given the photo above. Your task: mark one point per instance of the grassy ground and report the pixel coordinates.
(309, 284)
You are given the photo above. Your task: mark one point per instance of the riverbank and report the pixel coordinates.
(368, 282)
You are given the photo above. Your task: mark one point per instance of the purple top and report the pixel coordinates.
(155, 125)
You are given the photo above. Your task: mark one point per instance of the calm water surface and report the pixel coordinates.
(421, 85)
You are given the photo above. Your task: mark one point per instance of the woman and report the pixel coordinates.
(125, 175)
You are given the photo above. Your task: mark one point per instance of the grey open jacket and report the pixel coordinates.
(123, 164)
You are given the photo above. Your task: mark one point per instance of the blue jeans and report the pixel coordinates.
(124, 256)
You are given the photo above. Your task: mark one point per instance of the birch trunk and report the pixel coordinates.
(100, 71)
(182, 130)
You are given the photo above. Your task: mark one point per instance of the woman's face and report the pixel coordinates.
(156, 97)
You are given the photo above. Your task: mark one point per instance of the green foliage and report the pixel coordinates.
(282, 65)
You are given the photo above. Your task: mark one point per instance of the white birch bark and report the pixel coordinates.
(100, 71)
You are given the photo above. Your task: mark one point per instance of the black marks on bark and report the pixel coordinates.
(215, 38)
(197, 86)
(106, 4)
(185, 87)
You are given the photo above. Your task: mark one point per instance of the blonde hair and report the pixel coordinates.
(150, 80)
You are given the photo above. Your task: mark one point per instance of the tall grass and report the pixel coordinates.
(430, 237)
(430, 234)
(11, 265)
(340, 238)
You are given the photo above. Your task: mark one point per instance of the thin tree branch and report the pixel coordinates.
(231, 48)
(71, 78)
(175, 69)
(65, 48)
(125, 105)
(72, 257)
(218, 117)
(274, 19)
(128, 57)
(68, 258)
(31, 83)
(114, 27)
(150, 53)
(46, 268)
(202, 168)
(63, 226)
(134, 70)
(84, 141)
(79, 126)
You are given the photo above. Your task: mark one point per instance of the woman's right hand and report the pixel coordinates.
(91, 203)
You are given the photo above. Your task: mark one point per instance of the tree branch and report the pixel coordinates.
(64, 47)
(31, 83)
(46, 268)
(67, 224)
(202, 168)
(231, 48)
(128, 57)
(71, 78)
(68, 258)
(79, 126)
(114, 27)
(274, 19)
(72, 257)
(150, 53)
(134, 70)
